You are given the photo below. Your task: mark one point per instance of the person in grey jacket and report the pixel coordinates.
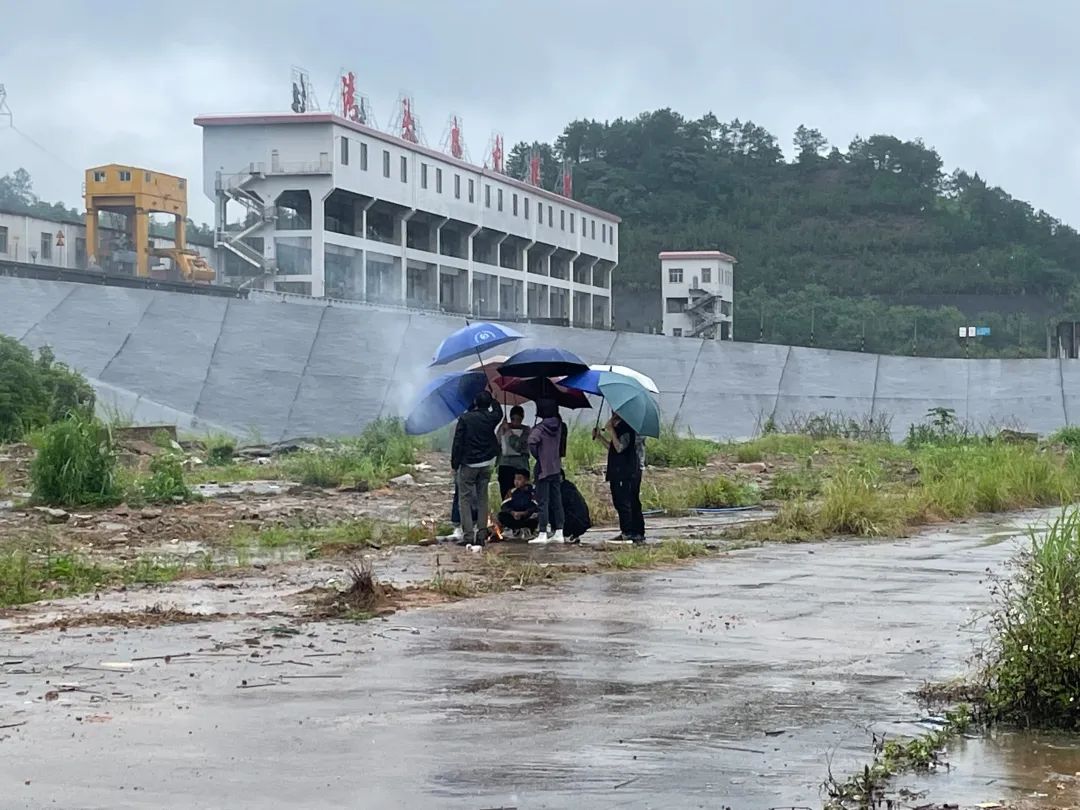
(545, 443)
(472, 458)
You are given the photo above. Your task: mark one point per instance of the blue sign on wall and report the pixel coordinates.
(982, 331)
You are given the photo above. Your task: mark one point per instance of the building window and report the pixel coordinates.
(3, 239)
(487, 194)
(344, 151)
(46, 243)
(571, 222)
(457, 186)
(562, 220)
(146, 176)
(363, 157)
(125, 176)
(515, 205)
(706, 275)
(80, 252)
(725, 307)
(603, 232)
(584, 227)
(500, 199)
(423, 175)
(592, 230)
(438, 180)
(385, 163)
(551, 216)
(674, 275)
(676, 332)
(99, 177)
(404, 169)
(472, 191)
(676, 305)
(526, 208)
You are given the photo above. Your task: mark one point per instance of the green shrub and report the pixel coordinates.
(673, 450)
(1032, 666)
(166, 482)
(853, 504)
(748, 453)
(75, 463)
(220, 449)
(800, 483)
(382, 451)
(1068, 436)
(677, 497)
(34, 393)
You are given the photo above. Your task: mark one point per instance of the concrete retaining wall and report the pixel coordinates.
(279, 369)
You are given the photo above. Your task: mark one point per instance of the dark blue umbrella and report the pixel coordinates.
(543, 362)
(444, 399)
(473, 339)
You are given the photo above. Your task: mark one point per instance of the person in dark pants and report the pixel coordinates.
(519, 512)
(545, 444)
(514, 438)
(472, 458)
(624, 465)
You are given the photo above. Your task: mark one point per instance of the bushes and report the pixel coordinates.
(34, 393)
(166, 481)
(75, 463)
(381, 452)
(1032, 670)
(717, 492)
(673, 450)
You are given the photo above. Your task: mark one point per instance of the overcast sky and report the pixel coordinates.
(991, 84)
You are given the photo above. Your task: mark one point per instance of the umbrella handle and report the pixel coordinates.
(600, 410)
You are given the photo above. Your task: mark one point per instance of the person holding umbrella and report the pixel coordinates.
(472, 458)
(545, 445)
(625, 461)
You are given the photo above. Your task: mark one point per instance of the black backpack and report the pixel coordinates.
(576, 520)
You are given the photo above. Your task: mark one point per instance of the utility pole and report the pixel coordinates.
(862, 337)
(761, 326)
(915, 339)
(812, 308)
(5, 110)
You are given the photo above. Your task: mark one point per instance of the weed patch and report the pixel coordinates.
(646, 556)
(673, 450)
(75, 463)
(677, 496)
(166, 482)
(26, 577)
(1032, 665)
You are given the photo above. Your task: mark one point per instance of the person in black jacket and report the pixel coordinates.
(520, 512)
(472, 458)
(624, 463)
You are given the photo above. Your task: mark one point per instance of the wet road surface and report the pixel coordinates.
(733, 681)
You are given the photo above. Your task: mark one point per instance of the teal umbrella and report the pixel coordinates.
(631, 401)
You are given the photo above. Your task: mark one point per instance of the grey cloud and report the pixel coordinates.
(987, 83)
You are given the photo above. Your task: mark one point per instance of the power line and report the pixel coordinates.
(6, 112)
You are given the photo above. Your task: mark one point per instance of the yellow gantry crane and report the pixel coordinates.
(137, 193)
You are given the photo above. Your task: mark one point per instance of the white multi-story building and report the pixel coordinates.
(698, 289)
(337, 209)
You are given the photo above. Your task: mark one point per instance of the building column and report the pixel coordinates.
(142, 239)
(318, 246)
(438, 264)
(364, 251)
(592, 267)
(404, 222)
(525, 278)
(469, 270)
(571, 291)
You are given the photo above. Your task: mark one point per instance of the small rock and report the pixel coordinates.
(405, 480)
(51, 695)
(753, 467)
(52, 515)
(149, 513)
(122, 510)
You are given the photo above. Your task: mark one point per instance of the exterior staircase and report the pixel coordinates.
(260, 213)
(702, 310)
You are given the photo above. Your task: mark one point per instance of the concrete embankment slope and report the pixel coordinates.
(282, 369)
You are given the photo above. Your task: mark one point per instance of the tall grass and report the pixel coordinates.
(382, 451)
(75, 463)
(27, 577)
(674, 450)
(678, 496)
(1032, 666)
(583, 452)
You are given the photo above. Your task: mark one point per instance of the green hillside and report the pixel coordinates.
(833, 238)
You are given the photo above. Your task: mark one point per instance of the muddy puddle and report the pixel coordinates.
(737, 681)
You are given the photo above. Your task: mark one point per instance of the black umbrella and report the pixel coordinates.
(543, 362)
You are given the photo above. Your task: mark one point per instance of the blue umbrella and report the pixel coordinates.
(473, 339)
(443, 400)
(543, 362)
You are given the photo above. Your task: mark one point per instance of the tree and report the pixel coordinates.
(809, 144)
(17, 189)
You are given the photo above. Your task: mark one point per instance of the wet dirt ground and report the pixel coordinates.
(734, 681)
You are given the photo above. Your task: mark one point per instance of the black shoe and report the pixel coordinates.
(639, 541)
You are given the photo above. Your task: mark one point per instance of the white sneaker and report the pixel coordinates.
(558, 538)
(457, 534)
(540, 540)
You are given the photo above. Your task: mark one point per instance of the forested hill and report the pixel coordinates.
(845, 233)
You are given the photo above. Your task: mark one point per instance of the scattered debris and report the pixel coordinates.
(52, 515)
(405, 480)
